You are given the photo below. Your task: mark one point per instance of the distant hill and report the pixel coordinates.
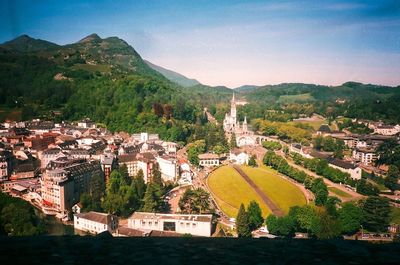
(24, 43)
(246, 88)
(299, 92)
(174, 76)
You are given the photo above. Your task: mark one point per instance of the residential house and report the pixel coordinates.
(95, 222)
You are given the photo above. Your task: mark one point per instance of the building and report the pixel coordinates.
(239, 157)
(50, 155)
(40, 142)
(65, 180)
(387, 129)
(194, 224)
(243, 134)
(347, 167)
(95, 223)
(108, 164)
(366, 156)
(138, 161)
(208, 160)
(168, 167)
(5, 165)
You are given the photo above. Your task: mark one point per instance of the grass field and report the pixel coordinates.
(230, 190)
(306, 97)
(339, 193)
(395, 215)
(283, 193)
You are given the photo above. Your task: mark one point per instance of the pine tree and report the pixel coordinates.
(140, 186)
(252, 161)
(152, 199)
(232, 143)
(156, 176)
(392, 178)
(243, 223)
(376, 214)
(255, 215)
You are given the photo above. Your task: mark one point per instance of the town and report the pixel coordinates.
(140, 185)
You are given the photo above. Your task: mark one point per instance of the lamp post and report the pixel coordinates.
(362, 231)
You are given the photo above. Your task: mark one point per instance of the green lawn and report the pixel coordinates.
(339, 193)
(282, 192)
(230, 190)
(395, 215)
(306, 97)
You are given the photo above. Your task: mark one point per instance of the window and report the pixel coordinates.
(169, 226)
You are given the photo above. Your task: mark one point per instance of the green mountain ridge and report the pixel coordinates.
(24, 43)
(174, 76)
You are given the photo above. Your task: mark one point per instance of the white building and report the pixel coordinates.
(387, 129)
(95, 223)
(208, 160)
(168, 167)
(347, 167)
(244, 136)
(239, 157)
(194, 224)
(367, 156)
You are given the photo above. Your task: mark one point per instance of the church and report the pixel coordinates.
(243, 135)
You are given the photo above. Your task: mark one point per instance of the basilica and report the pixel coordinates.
(244, 136)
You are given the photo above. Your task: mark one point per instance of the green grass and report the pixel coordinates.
(92, 68)
(282, 192)
(339, 193)
(306, 97)
(395, 215)
(230, 190)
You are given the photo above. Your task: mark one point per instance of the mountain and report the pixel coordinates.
(246, 88)
(103, 79)
(174, 76)
(24, 43)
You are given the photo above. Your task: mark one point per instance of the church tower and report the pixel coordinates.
(245, 124)
(233, 109)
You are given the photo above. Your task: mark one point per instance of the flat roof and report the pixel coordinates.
(183, 217)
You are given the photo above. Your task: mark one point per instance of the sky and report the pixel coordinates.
(232, 42)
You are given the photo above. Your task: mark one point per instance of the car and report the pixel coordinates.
(232, 220)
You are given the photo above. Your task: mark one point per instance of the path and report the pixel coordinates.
(271, 205)
(354, 195)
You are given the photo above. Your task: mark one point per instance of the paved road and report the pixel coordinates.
(271, 205)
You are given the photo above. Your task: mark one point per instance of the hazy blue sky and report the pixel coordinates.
(232, 42)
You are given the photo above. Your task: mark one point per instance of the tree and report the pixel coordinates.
(140, 186)
(366, 188)
(152, 199)
(376, 214)
(156, 176)
(243, 223)
(392, 178)
(350, 217)
(318, 142)
(255, 215)
(326, 226)
(331, 205)
(252, 161)
(388, 153)
(195, 201)
(320, 190)
(232, 143)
